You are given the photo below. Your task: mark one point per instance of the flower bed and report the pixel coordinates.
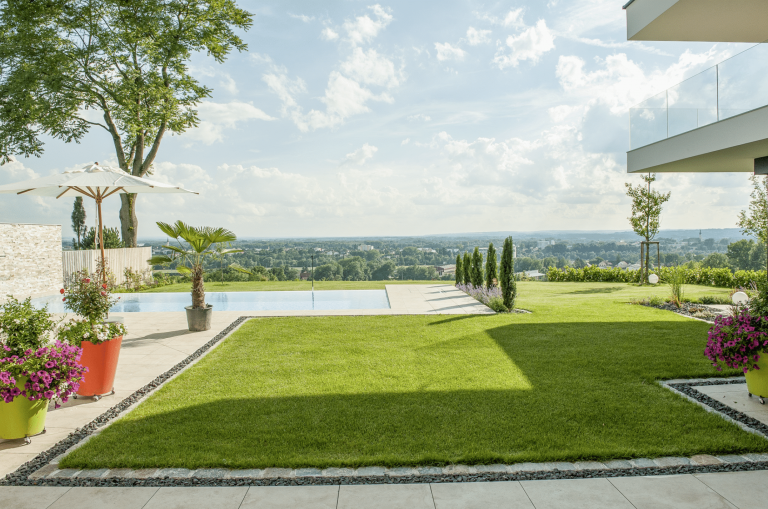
(491, 297)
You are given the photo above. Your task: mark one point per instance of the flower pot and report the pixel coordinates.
(22, 418)
(199, 319)
(757, 379)
(101, 361)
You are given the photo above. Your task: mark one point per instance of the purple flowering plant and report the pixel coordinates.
(50, 372)
(491, 297)
(737, 341)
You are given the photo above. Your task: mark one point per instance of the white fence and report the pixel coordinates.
(134, 258)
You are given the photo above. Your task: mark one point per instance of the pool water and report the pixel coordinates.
(240, 301)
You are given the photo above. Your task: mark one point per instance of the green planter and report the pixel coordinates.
(22, 418)
(757, 379)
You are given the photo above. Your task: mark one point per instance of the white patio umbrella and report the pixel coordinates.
(94, 181)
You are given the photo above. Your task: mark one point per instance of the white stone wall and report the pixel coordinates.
(30, 260)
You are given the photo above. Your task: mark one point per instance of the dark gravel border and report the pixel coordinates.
(21, 476)
(684, 310)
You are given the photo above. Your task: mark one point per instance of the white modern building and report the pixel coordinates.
(364, 247)
(717, 120)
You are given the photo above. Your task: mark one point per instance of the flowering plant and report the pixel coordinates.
(88, 297)
(23, 327)
(737, 341)
(51, 372)
(76, 331)
(491, 297)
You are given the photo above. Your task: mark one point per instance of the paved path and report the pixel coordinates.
(743, 490)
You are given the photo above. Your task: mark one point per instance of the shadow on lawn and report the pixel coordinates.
(591, 397)
(606, 289)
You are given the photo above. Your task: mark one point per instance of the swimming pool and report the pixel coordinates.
(240, 301)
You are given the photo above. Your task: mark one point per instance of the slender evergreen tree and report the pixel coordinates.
(466, 266)
(78, 221)
(476, 272)
(490, 266)
(459, 270)
(507, 274)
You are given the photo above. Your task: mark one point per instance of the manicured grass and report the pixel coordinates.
(575, 380)
(282, 286)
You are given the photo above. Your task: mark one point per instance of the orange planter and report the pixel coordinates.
(101, 361)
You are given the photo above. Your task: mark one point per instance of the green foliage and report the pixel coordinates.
(754, 222)
(78, 221)
(476, 269)
(497, 304)
(384, 271)
(354, 269)
(646, 212)
(417, 272)
(712, 299)
(507, 274)
(466, 266)
(111, 239)
(76, 331)
(715, 261)
(201, 243)
(128, 61)
(490, 266)
(459, 271)
(23, 327)
(329, 272)
(88, 296)
(723, 278)
(758, 304)
(676, 279)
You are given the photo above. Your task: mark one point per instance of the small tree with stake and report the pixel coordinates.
(507, 274)
(490, 267)
(646, 212)
(459, 270)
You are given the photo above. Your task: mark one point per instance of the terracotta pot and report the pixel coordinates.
(101, 361)
(22, 418)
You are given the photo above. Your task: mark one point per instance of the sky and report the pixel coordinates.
(352, 118)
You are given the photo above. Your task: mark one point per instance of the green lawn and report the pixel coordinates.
(281, 286)
(575, 380)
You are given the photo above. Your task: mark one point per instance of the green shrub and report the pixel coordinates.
(722, 278)
(497, 304)
(655, 300)
(713, 299)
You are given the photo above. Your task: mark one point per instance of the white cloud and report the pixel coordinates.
(343, 98)
(363, 29)
(215, 117)
(405, 141)
(371, 68)
(420, 116)
(560, 113)
(447, 52)
(261, 58)
(302, 17)
(528, 45)
(228, 84)
(475, 36)
(329, 34)
(361, 155)
(511, 19)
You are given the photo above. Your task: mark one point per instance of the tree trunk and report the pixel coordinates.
(647, 260)
(129, 223)
(198, 287)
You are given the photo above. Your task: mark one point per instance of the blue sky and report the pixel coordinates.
(353, 118)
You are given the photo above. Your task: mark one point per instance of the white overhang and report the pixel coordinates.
(730, 145)
(697, 20)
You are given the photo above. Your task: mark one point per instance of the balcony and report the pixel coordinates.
(697, 20)
(715, 121)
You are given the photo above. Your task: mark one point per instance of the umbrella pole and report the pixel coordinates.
(101, 239)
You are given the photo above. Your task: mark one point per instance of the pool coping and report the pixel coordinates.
(43, 469)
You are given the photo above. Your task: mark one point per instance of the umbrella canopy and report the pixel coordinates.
(94, 181)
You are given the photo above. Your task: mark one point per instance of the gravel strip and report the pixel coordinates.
(43, 471)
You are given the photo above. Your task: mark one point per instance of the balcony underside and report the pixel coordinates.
(730, 145)
(697, 20)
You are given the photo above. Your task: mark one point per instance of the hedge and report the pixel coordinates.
(708, 277)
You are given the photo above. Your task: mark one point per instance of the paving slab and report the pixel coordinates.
(291, 497)
(575, 494)
(742, 489)
(480, 495)
(101, 498)
(385, 496)
(29, 497)
(669, 492)
(198, 498)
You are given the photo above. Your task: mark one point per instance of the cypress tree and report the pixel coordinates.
(490, 266)
(459, 270)
(466, 266)
(476, 272)
(507, 274)
(78, 221)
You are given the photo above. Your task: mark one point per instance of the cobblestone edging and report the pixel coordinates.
(43, 469)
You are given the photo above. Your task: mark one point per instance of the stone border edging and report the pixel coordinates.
(43, 469)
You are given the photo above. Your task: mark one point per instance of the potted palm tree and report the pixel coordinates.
(201, 243)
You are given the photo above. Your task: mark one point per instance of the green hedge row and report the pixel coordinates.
(708, 277)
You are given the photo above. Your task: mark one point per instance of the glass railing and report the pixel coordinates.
(732, 87)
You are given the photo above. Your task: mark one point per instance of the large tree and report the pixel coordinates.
(755, 220)
(646, 212)
(126, 60)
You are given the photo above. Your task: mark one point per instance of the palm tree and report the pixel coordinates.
(201, 243)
